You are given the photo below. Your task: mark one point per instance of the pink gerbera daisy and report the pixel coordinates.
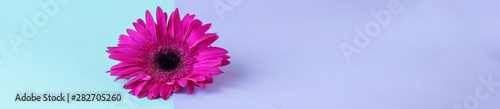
(164, 57)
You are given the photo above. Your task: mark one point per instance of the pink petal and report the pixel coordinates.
(161, 27)
(163, 88)
(150, 93)
(139, 87)
(112, 50)
(186, 21)
(150, 96)
(169, 91)
(128, 76)
(124, 39)
(146, 78)
(124, 65)
(133, 90)
(164, 97)
(195, 24)
(150, 24)
(136, 37)
(118, 72)
(202, 85)
(166, 93)
(131, 86)
(225, 62)
(175, 87)
(146, 88)
(210, 56)
(226, 56)
(156, 89)
(132, 83)
(125, 51)
(136, 46)
(182, 82)
(125, 59)
(208, 63)
(142, 30)
(170, 82)
(174, 27)
(196, 77)
(142, 94)
(179, 31)
(208, 70)
(198, 33)
(190, 87)
(124, 56)
(211, 52)
(204, 41)
(208, 80)
(140, 21)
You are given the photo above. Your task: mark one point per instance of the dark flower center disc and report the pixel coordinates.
(168, 61)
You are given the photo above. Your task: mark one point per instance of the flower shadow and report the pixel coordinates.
(230, 78)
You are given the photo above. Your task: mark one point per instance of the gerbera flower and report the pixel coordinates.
(164, 57)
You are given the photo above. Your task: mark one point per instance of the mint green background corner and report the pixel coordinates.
(67, 54)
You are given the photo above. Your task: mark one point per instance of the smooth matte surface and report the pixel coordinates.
(68, 53)
(286, 55)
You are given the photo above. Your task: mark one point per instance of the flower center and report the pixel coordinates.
(168, 60)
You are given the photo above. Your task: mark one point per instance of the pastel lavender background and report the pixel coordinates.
(434, 54)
